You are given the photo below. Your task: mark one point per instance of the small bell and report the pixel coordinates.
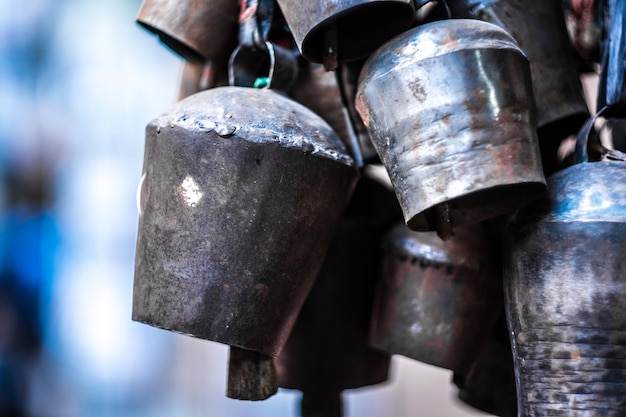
(237, 205)
(327, 351)
(437, 301)
(335, 31)
(449, 107)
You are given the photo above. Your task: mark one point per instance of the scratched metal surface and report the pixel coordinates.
(450, 110)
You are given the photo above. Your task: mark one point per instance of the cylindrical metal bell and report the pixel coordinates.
(450, 110)
(345, 30)
(240, 194)
(437, 301)
(566, 295)
(489, 385)
(539, 28)
(327, 351)
(197, 30)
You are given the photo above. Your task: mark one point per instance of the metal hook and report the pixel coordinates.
(581, 155)
(251, 57)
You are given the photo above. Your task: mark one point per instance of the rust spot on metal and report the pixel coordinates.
(262, 289)
(417, 89)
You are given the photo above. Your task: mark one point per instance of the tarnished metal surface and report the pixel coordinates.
(438, 300)
(241, 191)
(351, 29)
(566, 295)
(539, 28)
(327, 351)
(449, 107)
(197, 30)
(489, 385)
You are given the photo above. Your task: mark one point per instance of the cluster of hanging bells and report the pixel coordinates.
(262, 227)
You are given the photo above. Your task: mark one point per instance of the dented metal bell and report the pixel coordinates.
(449, 107)
(240, 195)
(197, 30)
(327, 351)
(334, 31)
(566, 294)
(438, 300)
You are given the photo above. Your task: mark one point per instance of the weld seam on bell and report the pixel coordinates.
(460, 87)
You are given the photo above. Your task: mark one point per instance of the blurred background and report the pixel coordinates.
(79, 80)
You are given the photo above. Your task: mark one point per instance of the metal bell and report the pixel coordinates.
(327, 351)
(450, 111)
(197, 30)
(240, 194)
(539, 28)
(334, 31)
(566, 295)
(435, 302)
(489, 385)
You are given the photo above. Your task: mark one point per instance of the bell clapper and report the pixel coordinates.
(251, 375)
(443, 221)
(330, 49)
(321, 403)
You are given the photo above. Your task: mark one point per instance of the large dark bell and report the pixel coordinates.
(241, 192)
(566, 295)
